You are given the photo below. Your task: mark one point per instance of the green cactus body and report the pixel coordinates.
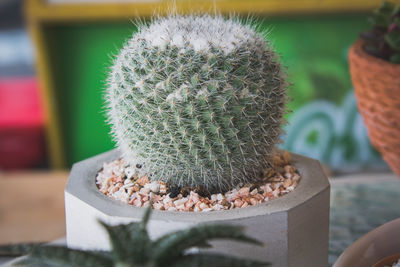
(198, 100)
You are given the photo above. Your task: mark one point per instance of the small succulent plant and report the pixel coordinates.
(198, 100)
(132, 247)
(383, 39)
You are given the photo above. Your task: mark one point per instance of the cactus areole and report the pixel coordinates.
(197, 101)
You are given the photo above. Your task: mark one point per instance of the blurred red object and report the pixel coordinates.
(22, 143)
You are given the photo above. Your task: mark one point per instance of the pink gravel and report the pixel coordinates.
(122, 182)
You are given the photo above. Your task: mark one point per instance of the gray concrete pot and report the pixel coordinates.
(294, 227)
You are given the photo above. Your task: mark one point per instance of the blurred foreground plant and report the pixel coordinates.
(132, 246)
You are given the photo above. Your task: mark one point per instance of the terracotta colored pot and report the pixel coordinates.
(388, 261)
(377, 88)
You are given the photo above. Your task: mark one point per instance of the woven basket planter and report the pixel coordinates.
(377, 88)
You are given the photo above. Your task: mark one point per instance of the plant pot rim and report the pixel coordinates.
(387, 260)
(81, 184)
(383, 65)
(371, 247)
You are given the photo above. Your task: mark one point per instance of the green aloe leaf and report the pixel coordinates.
(171, 246)
(17, 249)
(130, 242)
(36, 262)
(58, 255)
(207, 260)
(131, 246)
(146, 217)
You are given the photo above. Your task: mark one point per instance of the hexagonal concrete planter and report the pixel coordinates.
(293, 227)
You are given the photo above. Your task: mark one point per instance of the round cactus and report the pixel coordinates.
(197, 100)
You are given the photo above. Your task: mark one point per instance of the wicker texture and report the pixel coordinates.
(377, 88)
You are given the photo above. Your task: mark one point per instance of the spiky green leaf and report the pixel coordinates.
(58, 255)
(34, 262)
(15, 250)
(130, 242)
(173, 245)
(131, 246)
(145, 218)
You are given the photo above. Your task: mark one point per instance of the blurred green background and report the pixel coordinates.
(323, 124)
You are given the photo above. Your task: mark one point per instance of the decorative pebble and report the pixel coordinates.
(120, 181)
(143, 180)
(153, 186)
(129, 172)
(174, 191)
(180, 201)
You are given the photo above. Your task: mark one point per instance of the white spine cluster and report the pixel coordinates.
(200, 32)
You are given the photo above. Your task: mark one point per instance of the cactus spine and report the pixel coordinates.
(198, 100)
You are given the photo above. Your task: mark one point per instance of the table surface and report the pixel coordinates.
(32, 207)
(360, 203)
